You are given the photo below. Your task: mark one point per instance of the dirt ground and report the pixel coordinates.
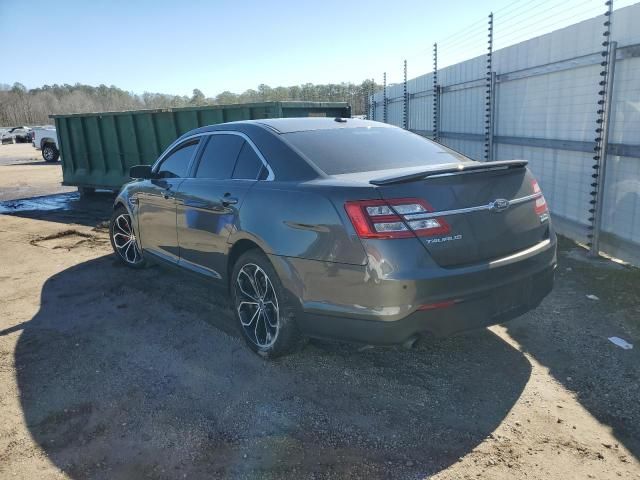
(21, 182)
(110, 373)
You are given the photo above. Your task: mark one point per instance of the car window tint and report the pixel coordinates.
(249, 166)
(219, 156)
(177, 163)
(350, 150)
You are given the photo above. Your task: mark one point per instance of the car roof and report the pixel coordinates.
(290, 125)
(303, 124)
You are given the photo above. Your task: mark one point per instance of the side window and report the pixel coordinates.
(249, 166)
(177, 163)
(219, 156)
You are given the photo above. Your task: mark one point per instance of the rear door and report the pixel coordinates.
(157, 203)
(209, 202)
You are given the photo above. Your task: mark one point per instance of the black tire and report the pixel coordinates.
(287, 338)
(50, 153)
(131, 257)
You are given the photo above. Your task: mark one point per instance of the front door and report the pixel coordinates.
(157, 203)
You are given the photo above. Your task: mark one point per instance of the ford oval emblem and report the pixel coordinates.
(499, 205)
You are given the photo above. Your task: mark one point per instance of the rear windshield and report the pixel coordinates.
(350, 150)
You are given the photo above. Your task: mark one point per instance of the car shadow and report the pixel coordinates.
(131, 374)
(68, 208)
(569, 332)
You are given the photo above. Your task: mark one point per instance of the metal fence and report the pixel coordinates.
(567, 101)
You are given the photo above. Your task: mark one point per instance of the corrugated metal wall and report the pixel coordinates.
(545, 111)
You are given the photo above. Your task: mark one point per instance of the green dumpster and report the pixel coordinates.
(97, 149)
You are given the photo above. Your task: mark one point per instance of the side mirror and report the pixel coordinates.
(141, 171)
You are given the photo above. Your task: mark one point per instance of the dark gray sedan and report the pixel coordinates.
(341, 228)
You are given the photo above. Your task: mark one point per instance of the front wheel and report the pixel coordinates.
(262, 307)
(123, 239)
(50, 153)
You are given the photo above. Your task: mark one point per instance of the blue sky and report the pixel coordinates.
(176, 46)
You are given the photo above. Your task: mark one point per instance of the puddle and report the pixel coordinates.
(61, 201)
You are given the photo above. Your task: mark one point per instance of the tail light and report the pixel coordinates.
(394, 218)
(541, 203)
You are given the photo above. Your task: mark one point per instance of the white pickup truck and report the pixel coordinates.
(46, 139)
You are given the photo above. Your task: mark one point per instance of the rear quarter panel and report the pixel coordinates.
(292, 221)
(45, 134)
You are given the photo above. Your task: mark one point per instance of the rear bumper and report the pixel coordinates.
(470, 314)
(380, 303)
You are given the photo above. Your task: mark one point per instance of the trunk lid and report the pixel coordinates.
(490, 210)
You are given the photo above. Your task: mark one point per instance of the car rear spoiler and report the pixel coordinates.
(449, 169)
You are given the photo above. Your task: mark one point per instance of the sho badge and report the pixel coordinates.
(443, 239)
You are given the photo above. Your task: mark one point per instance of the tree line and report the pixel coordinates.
(22, 106)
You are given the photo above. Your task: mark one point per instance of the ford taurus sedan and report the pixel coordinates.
(341, 228)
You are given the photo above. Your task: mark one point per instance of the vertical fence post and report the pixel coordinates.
(436, 97)
(367, 109)
(492, 112)
(367, 101)
(488, 113)
(384, 98)
(373, 99)
(405, 118)
(602, 133)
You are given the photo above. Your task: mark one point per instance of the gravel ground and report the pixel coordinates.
(111, 373)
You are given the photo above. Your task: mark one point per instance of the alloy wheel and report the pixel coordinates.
(124, 240)
(257, 305)
(48, 154)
